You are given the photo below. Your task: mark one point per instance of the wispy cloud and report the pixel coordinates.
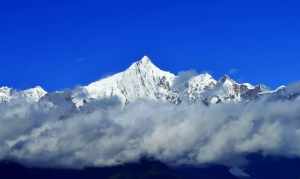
(233, 71)
(104, 133)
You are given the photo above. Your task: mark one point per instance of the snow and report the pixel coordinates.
(202, 81)
(144, 80)
(5, 94)
(31, 95)
(248, 85)
(141, 80)
(273, 91)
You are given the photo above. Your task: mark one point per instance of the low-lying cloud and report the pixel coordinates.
(44, 135)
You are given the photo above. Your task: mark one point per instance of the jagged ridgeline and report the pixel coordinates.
(144, 80)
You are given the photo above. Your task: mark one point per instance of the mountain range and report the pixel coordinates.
(145, 81)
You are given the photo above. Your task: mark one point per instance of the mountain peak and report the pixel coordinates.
(143, 64)
(227, 79)
(33, 94)
(142, 79)
(36, 89)
(5, 88)
(144, 60)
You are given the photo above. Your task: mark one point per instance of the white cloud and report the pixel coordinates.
(233, 71)
(36, 134)
(238, 172)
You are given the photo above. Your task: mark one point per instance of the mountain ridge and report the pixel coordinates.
(144, 80)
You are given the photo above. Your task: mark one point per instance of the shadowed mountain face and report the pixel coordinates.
(259, 167)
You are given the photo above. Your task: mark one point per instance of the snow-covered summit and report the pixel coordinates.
(141, 80)
(144, 80)
(31, 95)
(5, 94)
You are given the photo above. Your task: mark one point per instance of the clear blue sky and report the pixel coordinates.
(63, 43)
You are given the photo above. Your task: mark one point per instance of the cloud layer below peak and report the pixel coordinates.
(108, 134)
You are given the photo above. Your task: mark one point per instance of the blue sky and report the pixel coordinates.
(63, 43)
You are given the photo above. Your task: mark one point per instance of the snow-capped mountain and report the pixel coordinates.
(31, 95)
(5, 94)
(144, 80)
(141, 80)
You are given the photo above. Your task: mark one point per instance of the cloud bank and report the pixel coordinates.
(104, 134)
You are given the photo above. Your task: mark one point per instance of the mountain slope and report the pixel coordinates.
(30, 95)
(145, 81)
(141, 80)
